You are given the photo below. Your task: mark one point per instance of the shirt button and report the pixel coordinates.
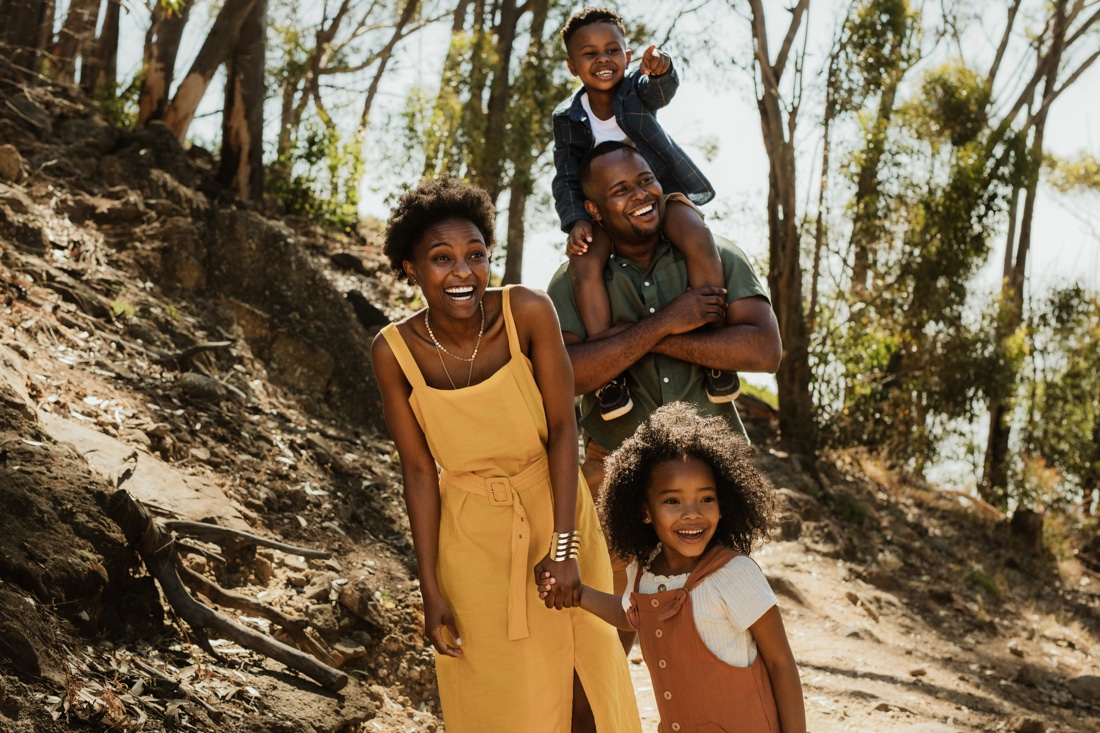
(661, 588)
(668, 695)
(646, 283)
(658, 633)
(675, 726)
(665, 380)
(652, 310)
(655, 603)
(662, 664)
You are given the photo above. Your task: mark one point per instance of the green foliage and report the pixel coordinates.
(989, 584)
(324, 174)
(955, 100)
(123, 308)
(120, 104)
(1073, 175)
(879, 41)
(910, 356)
(1061, 431)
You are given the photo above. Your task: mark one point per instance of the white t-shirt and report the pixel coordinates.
(603, 130)
(726, 603)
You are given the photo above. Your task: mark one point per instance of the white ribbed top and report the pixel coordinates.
(726, 604)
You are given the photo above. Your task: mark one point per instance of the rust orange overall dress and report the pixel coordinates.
(696, 691)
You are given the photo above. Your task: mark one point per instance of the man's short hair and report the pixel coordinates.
(588, 16)
(607, 146)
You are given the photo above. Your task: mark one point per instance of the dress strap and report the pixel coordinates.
(404, 357)
(509, 322)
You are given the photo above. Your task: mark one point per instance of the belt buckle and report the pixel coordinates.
(500, 491)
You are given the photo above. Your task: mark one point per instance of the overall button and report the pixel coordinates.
(675, 726)
(655, 603)
(668, 695)
(658, 633)
(661, 588)
(662, 664)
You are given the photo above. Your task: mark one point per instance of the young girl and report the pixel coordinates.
(683, 498)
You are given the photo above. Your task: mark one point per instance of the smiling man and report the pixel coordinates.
(658, 336)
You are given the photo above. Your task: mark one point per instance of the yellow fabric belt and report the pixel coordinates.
(505, 491)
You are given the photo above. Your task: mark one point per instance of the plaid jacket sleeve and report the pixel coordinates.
(572, 139)
(636, 111)
(655, 92)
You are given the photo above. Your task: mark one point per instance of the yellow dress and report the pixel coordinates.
(516, 672)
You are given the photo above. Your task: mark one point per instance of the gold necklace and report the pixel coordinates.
(440, 349)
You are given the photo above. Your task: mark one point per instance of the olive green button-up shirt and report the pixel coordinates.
(654, 379)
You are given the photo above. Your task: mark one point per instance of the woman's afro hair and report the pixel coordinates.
(674, 432)
(428, 204)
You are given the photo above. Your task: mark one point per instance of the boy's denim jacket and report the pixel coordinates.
(636, 103)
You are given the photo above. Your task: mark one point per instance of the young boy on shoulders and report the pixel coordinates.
(614, 104)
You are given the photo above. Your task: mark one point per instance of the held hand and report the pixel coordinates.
(559, 583)
(437, 617)
(654, 63)
(579, 238)
(695, 308)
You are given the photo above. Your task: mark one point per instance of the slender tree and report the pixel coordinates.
(162, 42)
(242, 165)
(215, 49)
(778, 122)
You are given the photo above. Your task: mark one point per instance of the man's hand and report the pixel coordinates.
(654, 63)
(695, 308)
(580, 236)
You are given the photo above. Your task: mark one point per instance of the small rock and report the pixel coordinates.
(1028, 676)
(1086, 687)
(918, 672)
(202, 387)
(1024, 724)
(295, 562)
(261, 568)
(297, 580)
(358, 597)
(11, 164)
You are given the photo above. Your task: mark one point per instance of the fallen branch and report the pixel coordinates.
(236, 538)
(157, 550)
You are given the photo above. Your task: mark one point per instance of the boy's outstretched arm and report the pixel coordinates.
(605, 606)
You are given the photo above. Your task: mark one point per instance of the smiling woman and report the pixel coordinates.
(479, 384)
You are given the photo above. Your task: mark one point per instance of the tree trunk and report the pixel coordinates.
(517, 205)
(526, 152)
(99, 73)
(215, 49)
(796, 418)
(162, 42)
(77, 35)
(994, 485)
(23, 20)
(242, 165)
(491, 174)
(867, 220)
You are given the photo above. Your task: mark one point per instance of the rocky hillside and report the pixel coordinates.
(160, 344)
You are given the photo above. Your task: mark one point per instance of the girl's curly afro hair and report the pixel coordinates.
(428, 204)
(674, 432)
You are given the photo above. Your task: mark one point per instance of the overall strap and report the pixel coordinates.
(713, 559)
(404, 357)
